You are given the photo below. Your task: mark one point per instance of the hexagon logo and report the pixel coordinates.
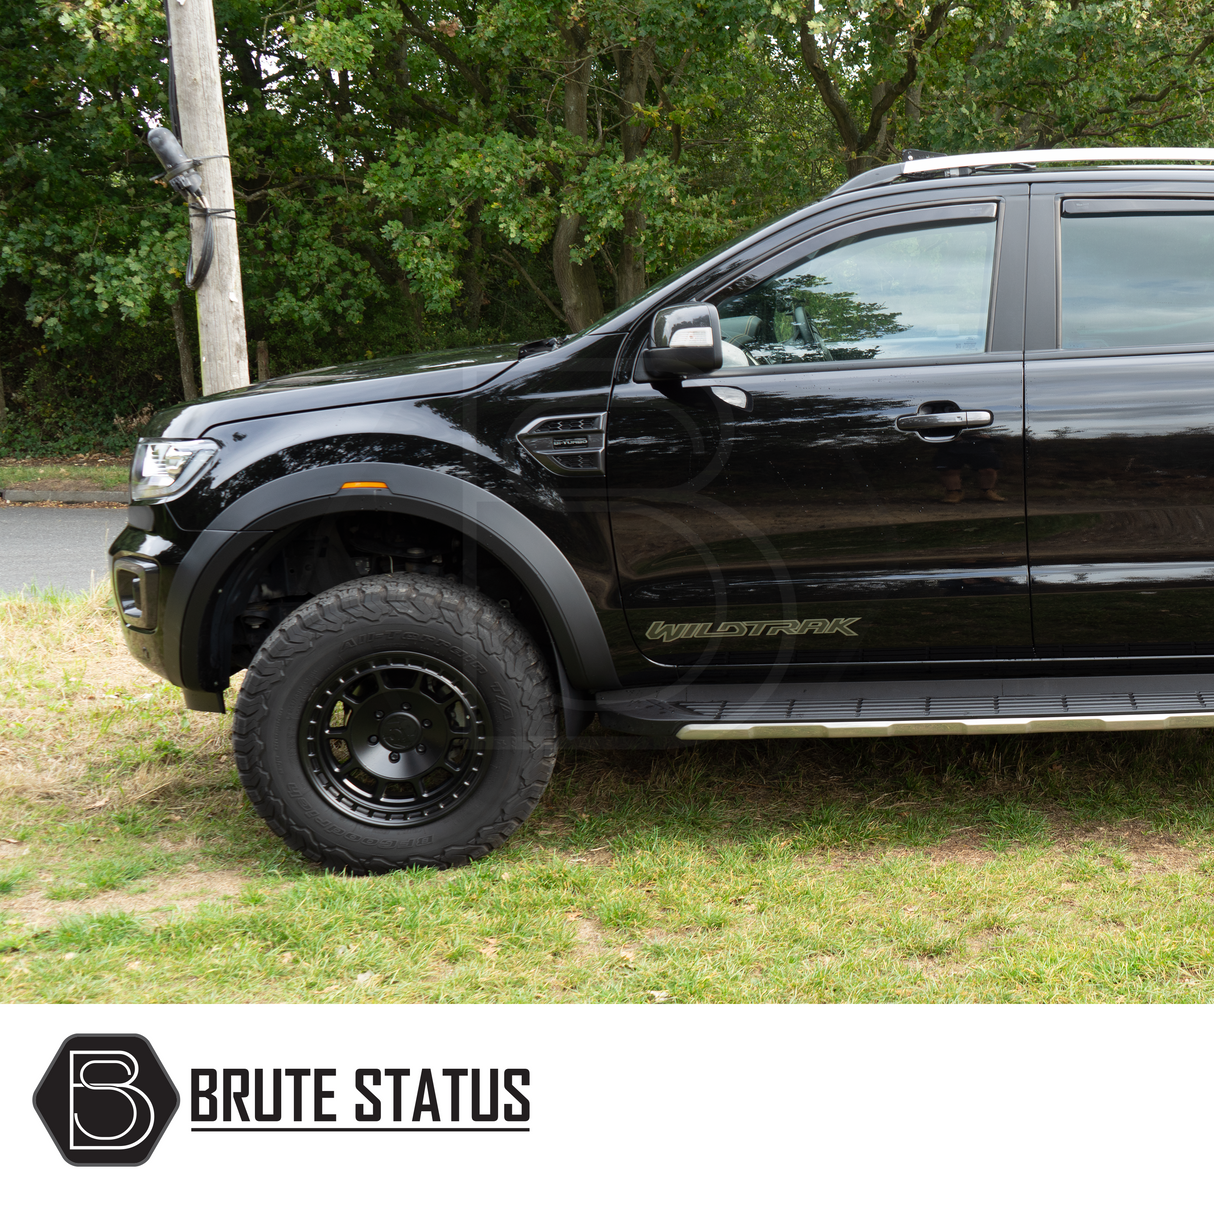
(106, 1100)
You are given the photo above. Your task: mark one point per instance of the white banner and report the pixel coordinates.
(606, 1108)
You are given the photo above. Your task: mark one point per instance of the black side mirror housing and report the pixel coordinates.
(683, 341)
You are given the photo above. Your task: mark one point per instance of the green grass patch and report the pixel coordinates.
(1033, 869)
(111, 872)
(75, 477)
(13, 878)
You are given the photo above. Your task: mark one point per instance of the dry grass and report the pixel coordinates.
(1076, 868)
(69, 691)
(92, 791)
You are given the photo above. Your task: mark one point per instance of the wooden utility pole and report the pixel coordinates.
(195, 51)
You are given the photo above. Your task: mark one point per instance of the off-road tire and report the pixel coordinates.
(458, 639)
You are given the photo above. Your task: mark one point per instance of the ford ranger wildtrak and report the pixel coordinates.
(933, 455)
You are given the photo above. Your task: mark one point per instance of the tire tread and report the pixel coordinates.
(421, 600)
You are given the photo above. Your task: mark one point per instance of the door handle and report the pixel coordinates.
(732, 396)
(956, 419)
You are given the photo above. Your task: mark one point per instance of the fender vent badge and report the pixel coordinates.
(569, 446)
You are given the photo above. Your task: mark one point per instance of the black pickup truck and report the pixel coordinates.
(933, 455)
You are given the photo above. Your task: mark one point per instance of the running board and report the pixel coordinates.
(975, 725)
(912, 709)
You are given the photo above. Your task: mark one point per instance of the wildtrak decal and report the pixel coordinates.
(659, 630)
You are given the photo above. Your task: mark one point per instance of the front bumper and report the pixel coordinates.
(142, 567)
(169, 615)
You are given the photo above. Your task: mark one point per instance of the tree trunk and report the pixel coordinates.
(474, 286)
(914, 108)
(634, 65)
(400, 119)
(3, 406)
(263, 361)
(867, 148)
(185, 355)
(882, 134)
(576, 282)
(398, 114)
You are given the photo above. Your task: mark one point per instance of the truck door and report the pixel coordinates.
(1119, 397)
(849, 487)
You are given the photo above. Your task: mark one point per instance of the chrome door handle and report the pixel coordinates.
(732, 396)
(960, 419)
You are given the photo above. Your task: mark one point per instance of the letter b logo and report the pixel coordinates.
(106, 1100)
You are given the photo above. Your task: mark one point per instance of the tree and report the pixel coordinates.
(383, 154)
(565, 128)
(81, 230)
(1083, 73)
(411, 173)
(1025, 74)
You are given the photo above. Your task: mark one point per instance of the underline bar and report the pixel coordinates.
(360, 1129)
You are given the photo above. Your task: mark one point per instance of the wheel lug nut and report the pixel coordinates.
(425, 724)
(373, 739)
(379, 716)
(421, 750)
(394, 757)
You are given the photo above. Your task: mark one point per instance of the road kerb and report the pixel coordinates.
(98, 496)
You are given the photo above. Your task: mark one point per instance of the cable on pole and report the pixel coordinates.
(181, 172)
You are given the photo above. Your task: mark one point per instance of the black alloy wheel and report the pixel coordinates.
(396, 721)
(396, 738)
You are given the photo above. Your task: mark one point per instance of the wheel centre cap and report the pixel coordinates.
(400, 731)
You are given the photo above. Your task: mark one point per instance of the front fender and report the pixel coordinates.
(498, 527)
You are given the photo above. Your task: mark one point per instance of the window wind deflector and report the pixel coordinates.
(1137, 206)
(915, 216)
(964, 210)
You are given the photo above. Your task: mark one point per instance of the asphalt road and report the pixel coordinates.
(48, 546)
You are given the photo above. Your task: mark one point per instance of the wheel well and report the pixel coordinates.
(306, 559)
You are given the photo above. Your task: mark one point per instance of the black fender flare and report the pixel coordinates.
(504, 531)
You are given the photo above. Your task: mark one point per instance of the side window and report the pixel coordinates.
(916, 291)
(1139, 278)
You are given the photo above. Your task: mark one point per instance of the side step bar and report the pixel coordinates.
(912, 709)
(974, 725)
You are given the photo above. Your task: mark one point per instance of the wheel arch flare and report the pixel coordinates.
(214, 579)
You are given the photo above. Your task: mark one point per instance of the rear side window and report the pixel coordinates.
(906, 292)
(1136, 277)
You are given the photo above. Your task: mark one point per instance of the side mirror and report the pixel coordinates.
(684, 341)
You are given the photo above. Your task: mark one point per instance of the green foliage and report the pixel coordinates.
(402, 170)
(1043, 75)
(992, 75)
(399, 173)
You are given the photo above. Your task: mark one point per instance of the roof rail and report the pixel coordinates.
(922, 164)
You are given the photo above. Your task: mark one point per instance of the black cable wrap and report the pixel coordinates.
(195, 276)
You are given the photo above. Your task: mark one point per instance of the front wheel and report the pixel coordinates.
(396, 721)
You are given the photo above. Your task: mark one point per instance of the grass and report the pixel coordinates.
(76, 476)
(1064, 869)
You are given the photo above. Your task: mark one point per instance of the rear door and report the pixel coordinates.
(1120, 414)
(850, 489)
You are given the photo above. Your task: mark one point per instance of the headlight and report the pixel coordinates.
(163, 467)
